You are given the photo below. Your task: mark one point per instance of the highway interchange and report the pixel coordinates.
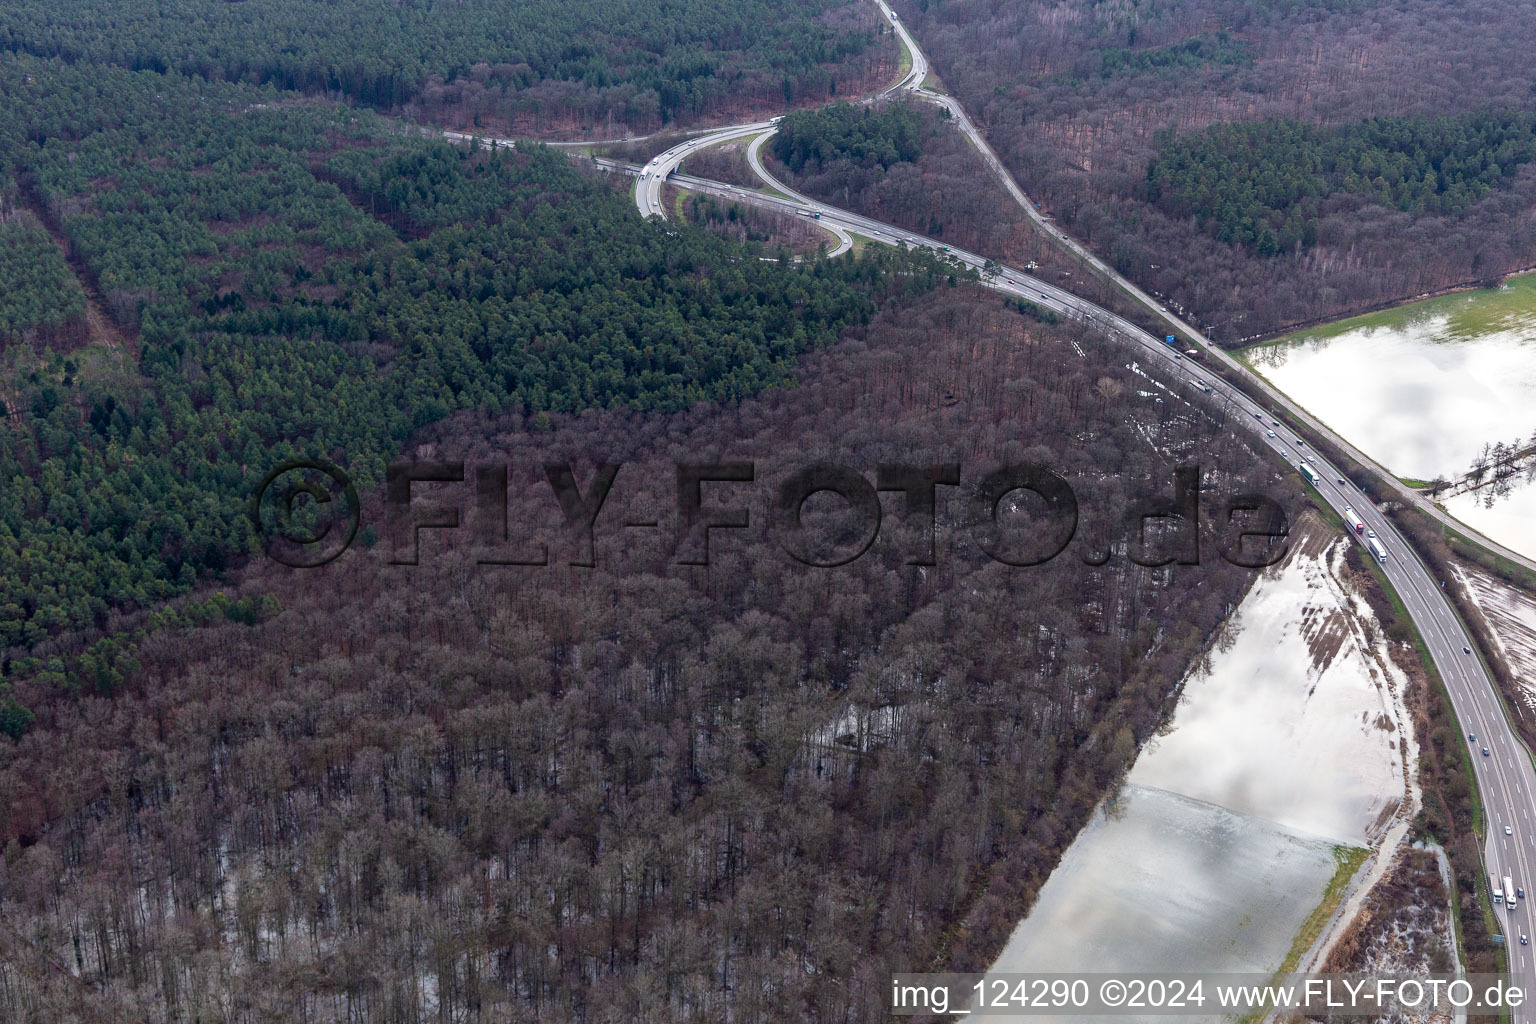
(1505, 777)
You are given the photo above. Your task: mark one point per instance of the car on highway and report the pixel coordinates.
(1341, 481)
(1466, 650)
(1371, 534)
(1269, 433)
(1485, 751)
(1472, 736)
(1523, 941)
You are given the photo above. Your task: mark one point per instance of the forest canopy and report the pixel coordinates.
(1373, 82)
(309, 282)
(1218, 48)
(639, 791)
(1260, 184)
(868, 136)
(638, 59)
(38, 294)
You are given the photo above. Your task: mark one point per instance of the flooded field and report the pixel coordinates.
(1162, 883)
(1422, 388)
(1509, 520)
(1298, 720)
(1286, 749)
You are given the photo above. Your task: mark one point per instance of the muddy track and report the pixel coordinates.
(102, 330)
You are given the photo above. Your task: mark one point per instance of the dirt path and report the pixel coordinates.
(12, 406)
(102, 330)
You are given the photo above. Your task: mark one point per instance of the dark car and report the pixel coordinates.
(1485, 751)
(1466, 650)
(1341, 481)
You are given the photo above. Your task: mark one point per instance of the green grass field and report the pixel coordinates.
(1470, 314)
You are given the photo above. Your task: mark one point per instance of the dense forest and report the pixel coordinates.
(1196, 52)
(1081, 99)
(1262, 184)
(587, 61)
(40, 300)
(868, 136)
(643, 791)
(301, 281)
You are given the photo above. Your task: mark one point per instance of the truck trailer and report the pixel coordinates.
(1355, 522)
(1377, 550)
(1509, 893)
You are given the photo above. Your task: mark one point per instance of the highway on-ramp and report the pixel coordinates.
(655, 173)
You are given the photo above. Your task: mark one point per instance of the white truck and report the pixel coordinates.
(1498, 894)
(1509, 893)
(1355, 522)
(1377, 550)
(1311, 474)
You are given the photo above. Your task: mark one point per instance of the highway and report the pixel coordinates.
(1505, 777)
(913, 79)
(1178, 326)
(655, 173)
(657, 170)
